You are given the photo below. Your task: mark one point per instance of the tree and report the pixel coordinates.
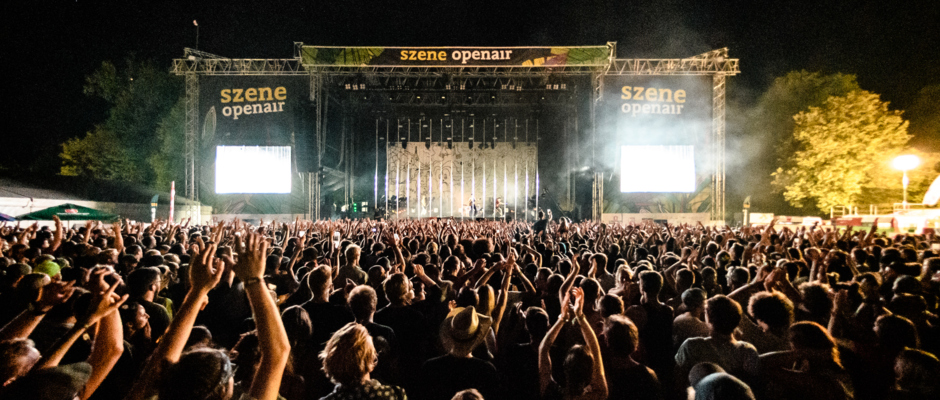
(842, 147)
(924, 115)
(96, 155)
(141, 96)
(168, 163)
(767, 138)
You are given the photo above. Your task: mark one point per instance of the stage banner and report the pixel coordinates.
(313, 56)
(254, 122)
(249, 110)
(656, 110)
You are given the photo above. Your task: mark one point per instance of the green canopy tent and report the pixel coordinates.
(68, 212)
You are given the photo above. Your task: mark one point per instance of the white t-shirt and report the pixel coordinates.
(737, 358)
(686, 326)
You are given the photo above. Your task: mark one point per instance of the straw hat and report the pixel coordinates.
(464, 329)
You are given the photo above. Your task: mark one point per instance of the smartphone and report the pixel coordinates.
(935, 247)
(396, 237)
(373, 229)
(301, 233)
(336, 238)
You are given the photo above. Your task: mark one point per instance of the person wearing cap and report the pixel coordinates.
(442, 377)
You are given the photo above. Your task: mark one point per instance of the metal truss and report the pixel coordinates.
(318, 101)
(203, 63)
(710, 63)
(189, 135)
(468, 99)
(714, 63)
(718, 133)
(445, 86)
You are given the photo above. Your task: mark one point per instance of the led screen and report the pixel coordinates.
(657, 169)
(252, 169)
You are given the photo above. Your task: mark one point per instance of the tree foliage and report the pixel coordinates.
(842, 148)
(96, 155)
(924, 115)
(142, 96)
(768, 127)
(168, 163)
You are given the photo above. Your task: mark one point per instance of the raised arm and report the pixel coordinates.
(103, 304)
(57, 235)
(545, 358)
(109, 341)
(598, 379)
(272, 338)
(203, 277)
(118, 237)
(503, 296)
(529, 287)
(51, 295)
(569, 281)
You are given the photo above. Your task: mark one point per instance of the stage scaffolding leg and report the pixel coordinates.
(408, 189)
(387, 130)
(526, 197)
(718, 133)
(376, 179)
(189, 136)
(316, 98)
(397, 192)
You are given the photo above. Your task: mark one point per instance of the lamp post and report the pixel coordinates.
(905, 163)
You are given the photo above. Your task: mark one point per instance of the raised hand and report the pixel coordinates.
(251, 258)
(55, 293)
(566, 307)
(103, 304)
(205, 270)
(578, 305)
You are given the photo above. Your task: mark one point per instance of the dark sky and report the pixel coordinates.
(50, 46)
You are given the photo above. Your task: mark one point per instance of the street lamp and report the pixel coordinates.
(905, 163)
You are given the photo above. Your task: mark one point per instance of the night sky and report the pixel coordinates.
(50, 46)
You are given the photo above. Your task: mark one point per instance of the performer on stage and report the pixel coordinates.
(473, 207)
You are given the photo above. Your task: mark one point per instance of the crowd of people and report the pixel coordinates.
(449, 309)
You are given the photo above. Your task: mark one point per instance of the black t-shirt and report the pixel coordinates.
(635, 383)
(386, 345)
(444, 376)
(540, 226)
(228, 307)
(656, 337)
(520, 364)
(327, 318)
(410, 329)
(408, 323)
(159, 318)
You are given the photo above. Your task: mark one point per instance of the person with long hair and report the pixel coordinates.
(811, 369)
(348, 359)
(584, 367)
